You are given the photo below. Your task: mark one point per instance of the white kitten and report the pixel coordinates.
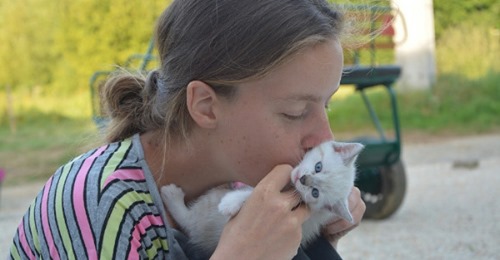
(324, 180)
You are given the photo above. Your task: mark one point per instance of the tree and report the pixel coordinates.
(25, 36)
(450, 13)
(57, 44)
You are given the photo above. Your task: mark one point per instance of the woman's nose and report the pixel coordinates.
(320, 131)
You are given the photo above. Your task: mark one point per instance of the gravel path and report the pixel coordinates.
(450, 211)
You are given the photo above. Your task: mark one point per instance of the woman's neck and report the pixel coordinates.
(192, 169)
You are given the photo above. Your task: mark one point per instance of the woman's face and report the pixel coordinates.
(276, 119)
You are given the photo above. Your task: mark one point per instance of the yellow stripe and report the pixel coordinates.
(14, 253)
(61, 222)
(113, 162)
(32, 227)
(112, 225)
(158, 243)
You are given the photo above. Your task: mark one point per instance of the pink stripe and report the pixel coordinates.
(45, 221)
(79, 205)
(24, 242)
(129, 174)
(139, 230)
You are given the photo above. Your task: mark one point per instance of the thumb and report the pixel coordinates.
(277, 178)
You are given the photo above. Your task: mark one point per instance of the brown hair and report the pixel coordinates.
(221, 43)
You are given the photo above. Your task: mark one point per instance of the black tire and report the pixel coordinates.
(392, 192)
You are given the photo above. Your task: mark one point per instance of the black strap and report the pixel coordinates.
(320, 249)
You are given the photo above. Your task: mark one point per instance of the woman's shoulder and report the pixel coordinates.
(103, 177)
(106, 163)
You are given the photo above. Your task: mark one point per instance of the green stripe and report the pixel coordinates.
(14, 253)
(32, 227)
(61, 221)
(112, 226)
(152, 252)
(113, 162)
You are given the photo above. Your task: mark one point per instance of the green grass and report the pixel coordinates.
(38, 147)
(455, 105)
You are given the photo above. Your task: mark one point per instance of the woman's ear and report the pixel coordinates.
(201, 101)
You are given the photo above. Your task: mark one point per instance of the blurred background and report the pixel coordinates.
(49, 50)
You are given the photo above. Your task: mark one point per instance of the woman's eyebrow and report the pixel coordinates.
(303, 97)
(307, 97)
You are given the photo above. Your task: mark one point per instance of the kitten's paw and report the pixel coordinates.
(228, 207)
(172, 193)
(231, 203)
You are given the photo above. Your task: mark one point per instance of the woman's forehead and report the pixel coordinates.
(310, 76)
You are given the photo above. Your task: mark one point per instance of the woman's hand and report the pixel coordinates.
(340, 227)
(269, 225)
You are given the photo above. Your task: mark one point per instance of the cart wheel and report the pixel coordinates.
(391, 195)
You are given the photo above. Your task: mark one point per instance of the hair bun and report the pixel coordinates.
(123, 104)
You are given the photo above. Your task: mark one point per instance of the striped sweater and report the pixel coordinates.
(102, 205)
(105, 205)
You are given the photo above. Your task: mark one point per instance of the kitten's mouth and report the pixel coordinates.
(294, 176)
(289, 187)
(298, 204)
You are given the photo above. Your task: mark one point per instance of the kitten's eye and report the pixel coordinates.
(315, 193)
(318, 167)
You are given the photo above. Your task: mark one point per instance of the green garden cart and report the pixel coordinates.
(381, 175)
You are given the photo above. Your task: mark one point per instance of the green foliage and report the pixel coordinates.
(49, 49)
(25, 35)
(471, 51)
(451, 13)
(58, 44)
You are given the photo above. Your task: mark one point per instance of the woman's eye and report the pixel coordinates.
(294, 116)
(318, 167)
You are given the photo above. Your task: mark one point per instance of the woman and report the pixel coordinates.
(239, 96)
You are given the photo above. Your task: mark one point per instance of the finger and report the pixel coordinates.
(293, 197)
(302, 212)
(357, 208)
(339, 226)
(335, 236)
(278, 178)
(356, 205)
(354, 198)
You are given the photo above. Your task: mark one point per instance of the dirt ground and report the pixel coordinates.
(450, 210)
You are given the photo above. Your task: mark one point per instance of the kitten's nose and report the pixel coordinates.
(303, 179)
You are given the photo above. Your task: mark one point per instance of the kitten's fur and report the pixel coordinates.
(324, 180)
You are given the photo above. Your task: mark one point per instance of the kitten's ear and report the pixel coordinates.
(341, 209)
(348, 151)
